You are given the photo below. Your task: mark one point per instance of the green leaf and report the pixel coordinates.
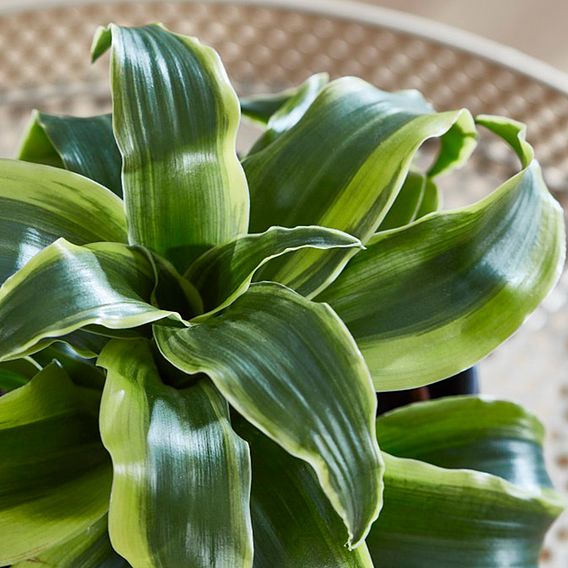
(80, 370)
(493, 436)
(84, 145)
(175, 121)
(260, 107)
(39, 204)
(181, 474)
(341, 166)
(90, 548)
(56, 480)
(225, 272)
(446, 518)
(432, 298)
(107, 284)
(407, 203)
(14, 374)
(291, 368)
(287, 115)
(293, 522)
(431, 199)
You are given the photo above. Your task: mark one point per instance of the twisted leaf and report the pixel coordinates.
(225, 272)
(428, 300)
(84, 145)
(294, 524)
(446, 518)
(106, 284)
(175, 117)
(39, 204)
(290, 367)
(341, 166)
(493, 436)
(181, 475)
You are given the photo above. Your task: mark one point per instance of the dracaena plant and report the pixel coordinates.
(193, 343)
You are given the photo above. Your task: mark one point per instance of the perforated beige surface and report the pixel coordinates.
(45, 65)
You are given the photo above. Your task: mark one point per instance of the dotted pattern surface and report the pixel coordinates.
(45, 64)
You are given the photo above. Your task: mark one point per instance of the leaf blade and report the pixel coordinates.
(57, 479)
(293, 522)
(90, 548)
(158, 436)
(471, 519)
(175, 117)
(291, 111)
(493, 436)
(84, 145)
(39, 204)
(113, 290)
(224, 272)
(329, 388)
(341, 166)
(495, 261)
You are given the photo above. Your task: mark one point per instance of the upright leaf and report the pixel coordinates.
(175, 120)
(225, 272)
(407, 203)
(107, 284)
(39, 204)
(431, 200)
(84, 145)
(493, 436)
(261, 106)
(291, 368)
(287, 115)
(294, 524)
(432, 298)
(181, 474)
(341, 166)
(55, 481)
(447, 518)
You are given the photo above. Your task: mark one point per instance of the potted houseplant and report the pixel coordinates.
(192, 343)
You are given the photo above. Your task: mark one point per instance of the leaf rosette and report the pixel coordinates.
(191, 344)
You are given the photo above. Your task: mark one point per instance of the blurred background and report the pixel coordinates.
(537, 27)
(45, 64)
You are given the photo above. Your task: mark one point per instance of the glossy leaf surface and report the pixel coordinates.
(493, 436)
(225, 272)
(175, 117)
(56, 481)
(181, 474)
(294, 523)
(84, 145)
(107, 284)
(341, 166)
(429, 300)
(39, 204)
(290, 367)
(446, 518)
